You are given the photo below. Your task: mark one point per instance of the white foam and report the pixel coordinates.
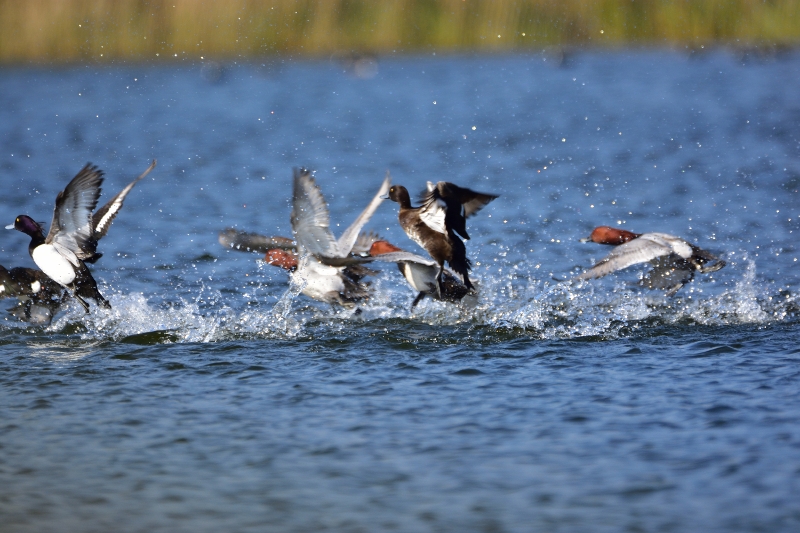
(514, 302)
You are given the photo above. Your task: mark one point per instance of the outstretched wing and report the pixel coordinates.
(349, 237)
(404, 257)
(646, 248)
(310, 216)
(71, 231)
(471, 201)
(669, 273)
(448, 205)
(253, 242)
(364, 243)
(104, 216)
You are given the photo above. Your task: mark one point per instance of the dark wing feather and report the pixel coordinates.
(102, 219)
(669, 273)
(71, 229)
(472, 201)
(253, 242)
(706, 261)
(459, 203)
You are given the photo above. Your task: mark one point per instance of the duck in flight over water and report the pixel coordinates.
(437, 224)
(282, 252)
(325, 267)
(675, 261)
(74, 232)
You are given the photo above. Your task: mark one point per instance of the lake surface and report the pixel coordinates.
(213, 398)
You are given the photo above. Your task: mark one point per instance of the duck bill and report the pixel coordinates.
(10, 226)
(586, 239)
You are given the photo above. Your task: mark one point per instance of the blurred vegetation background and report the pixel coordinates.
(51, 31)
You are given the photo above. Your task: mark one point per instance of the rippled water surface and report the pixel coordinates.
(213, 398)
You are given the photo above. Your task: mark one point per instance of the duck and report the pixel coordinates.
(321, 282)
(39, 297)
(282, 252)
(437, 224)
(421, 273)
(318, 262)
(675, 261)
(22, 282)
(327, 270)
(74, 232)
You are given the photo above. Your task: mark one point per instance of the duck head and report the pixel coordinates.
(27, 225)
(609, 235)
(281, 258)
(399, 194)
(382, 247)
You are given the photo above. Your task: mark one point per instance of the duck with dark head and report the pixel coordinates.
(72, 240)
(440, 222)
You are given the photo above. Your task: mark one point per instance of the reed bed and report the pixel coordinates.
(106, 30)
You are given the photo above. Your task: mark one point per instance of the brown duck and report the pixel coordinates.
(437, 224)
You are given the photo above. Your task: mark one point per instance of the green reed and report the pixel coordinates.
(104, 30)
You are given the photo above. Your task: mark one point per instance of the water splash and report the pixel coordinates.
(515, 302)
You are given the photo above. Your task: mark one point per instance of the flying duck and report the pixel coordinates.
(282, 252)
(324, 268)
(74, 232)
(39, 296)
(420, 273)
(438, 222)
(675, 261)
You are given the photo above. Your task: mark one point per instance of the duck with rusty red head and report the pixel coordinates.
(675, 261)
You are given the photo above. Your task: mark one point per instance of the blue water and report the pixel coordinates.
(213, 398)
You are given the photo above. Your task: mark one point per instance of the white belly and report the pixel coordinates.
(421, 277)
(320, 282)
(53, 264)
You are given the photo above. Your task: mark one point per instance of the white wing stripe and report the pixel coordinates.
(433, 217)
